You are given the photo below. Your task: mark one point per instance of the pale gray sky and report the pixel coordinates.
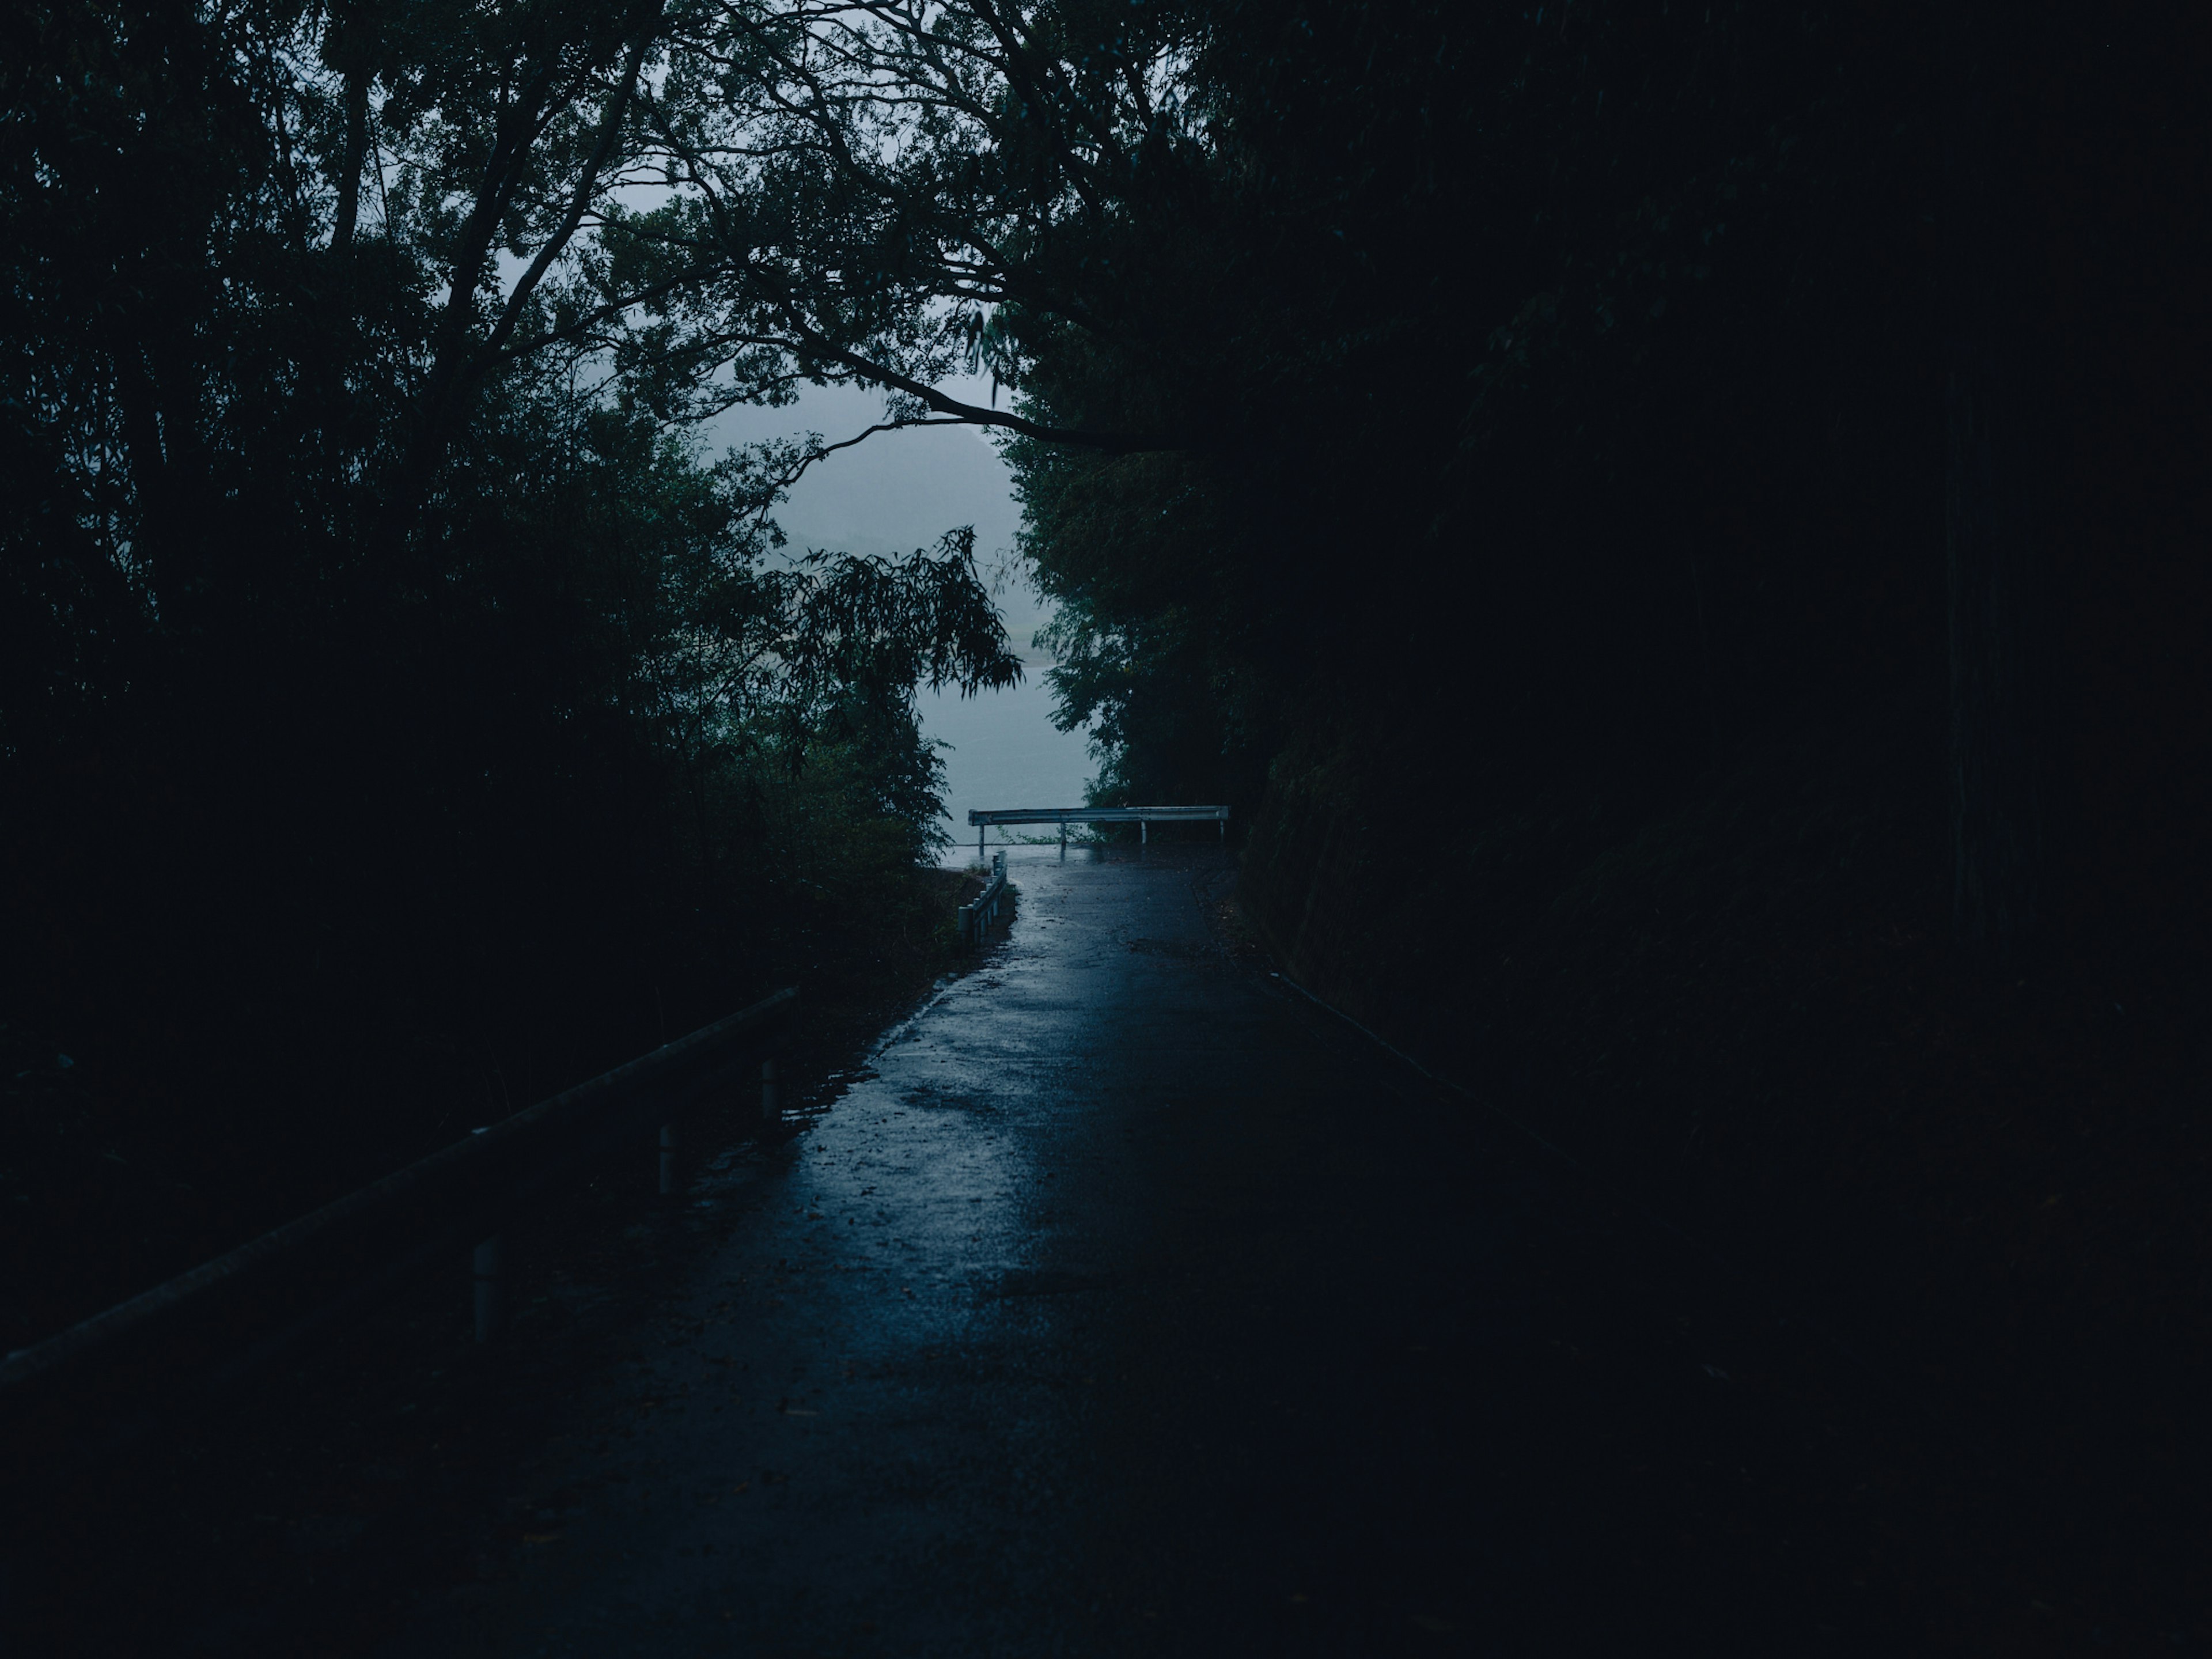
(900, 490)
(897, 491)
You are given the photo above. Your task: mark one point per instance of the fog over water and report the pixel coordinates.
(900, 490)
(1005, 752)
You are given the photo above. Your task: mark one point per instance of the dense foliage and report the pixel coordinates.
(1587, 397)
(399, 713)
(1534, 416)
(1576, 403)
(1556, 409)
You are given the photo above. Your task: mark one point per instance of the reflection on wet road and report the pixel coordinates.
(1121, 1305)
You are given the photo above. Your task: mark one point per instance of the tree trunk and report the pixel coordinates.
(350, 53)
(356, 159)
(1997, 420)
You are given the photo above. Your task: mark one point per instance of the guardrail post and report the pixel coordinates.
(489, 1267)
(667, 1157)
(771, 1108)
(363, 1238)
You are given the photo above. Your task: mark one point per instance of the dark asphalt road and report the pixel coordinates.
(1125, 1305)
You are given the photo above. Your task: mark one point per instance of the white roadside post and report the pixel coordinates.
(1142, 816)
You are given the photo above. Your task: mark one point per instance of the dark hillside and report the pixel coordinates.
(1747, 1015)
(1680, 530)
(1704, 606)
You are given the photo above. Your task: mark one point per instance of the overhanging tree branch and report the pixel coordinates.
(863, 369)
(580, 199)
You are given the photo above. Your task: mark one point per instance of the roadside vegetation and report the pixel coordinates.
(1679, 530)
(403, 714)
(1671, 526)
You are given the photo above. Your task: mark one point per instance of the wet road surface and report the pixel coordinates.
(1123, 1305)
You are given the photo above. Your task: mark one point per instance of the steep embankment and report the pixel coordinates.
(1740, 1004)
(104, 1193)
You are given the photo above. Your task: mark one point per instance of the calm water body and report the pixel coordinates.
(1005, 752)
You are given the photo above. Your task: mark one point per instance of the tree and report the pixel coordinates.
(1998, 452)
(383, 670)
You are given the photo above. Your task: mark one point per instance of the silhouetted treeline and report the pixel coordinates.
(1684, 529)
(1591, 397)
(1528, 425)
(1685, 526)
(399, 713)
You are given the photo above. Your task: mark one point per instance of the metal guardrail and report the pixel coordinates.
(980, 912)
(224, 1312)
(1143, 817)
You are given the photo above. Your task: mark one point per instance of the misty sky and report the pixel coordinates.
(897, 491)
(900, 490)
